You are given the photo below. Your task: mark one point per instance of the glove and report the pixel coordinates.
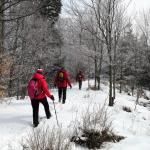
(70, 86)
(52, 98)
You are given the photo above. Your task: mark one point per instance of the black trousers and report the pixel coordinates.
(80, 85)
(35, 107)
(62, 94)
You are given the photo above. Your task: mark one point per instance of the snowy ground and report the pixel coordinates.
(16, 118)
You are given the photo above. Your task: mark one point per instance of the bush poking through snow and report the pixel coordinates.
(46, 139)
(96, 117)
(95, 128)
(94, 139)
(127, 109)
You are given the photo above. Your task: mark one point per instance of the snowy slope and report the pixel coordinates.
(16, 118)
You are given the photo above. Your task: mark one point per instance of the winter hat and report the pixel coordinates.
(40, 71)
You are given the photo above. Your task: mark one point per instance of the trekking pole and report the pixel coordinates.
(56, 114)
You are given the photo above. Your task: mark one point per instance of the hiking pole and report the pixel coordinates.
(56, 114)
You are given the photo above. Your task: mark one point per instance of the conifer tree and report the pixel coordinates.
(50, 9)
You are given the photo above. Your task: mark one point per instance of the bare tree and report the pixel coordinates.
(107, 19)
(29, 31)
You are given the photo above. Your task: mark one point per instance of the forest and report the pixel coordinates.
(110, 46)
(95, 36)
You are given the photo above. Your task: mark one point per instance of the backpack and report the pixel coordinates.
(60, 76)
(33, 89)
(79, 76)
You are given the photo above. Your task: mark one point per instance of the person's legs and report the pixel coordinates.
(46, 107)
(35, 107)
(60, 90)
(64, 94)
(80, 85)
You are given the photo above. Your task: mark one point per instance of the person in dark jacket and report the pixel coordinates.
(61, 82)
(43, 91)
(80, 78)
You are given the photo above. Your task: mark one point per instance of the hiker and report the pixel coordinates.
(80, 78)
(37, 91)
(61, 82)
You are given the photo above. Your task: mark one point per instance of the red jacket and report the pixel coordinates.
(65, 82)
(80, 76)
(42, 85)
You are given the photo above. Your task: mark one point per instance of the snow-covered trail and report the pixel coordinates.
(16, 118)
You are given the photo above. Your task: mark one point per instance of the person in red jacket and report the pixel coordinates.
(80, 78)
(39, 96)
(61, 82)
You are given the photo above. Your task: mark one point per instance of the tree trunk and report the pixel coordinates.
(121, 77)
(18, 83)
(109, 47)
(10, 81)
(110, 81)
(114, 74)
(95, 60)
(1, 27)
(1, 40)
(100, 65)
(114, 83)
(110, 74)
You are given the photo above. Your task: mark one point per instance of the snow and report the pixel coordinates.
(16, 118)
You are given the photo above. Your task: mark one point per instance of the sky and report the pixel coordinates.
(141, 4)
(137, 6)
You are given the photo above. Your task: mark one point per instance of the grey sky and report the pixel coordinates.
(135, 6)
(138, 6)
